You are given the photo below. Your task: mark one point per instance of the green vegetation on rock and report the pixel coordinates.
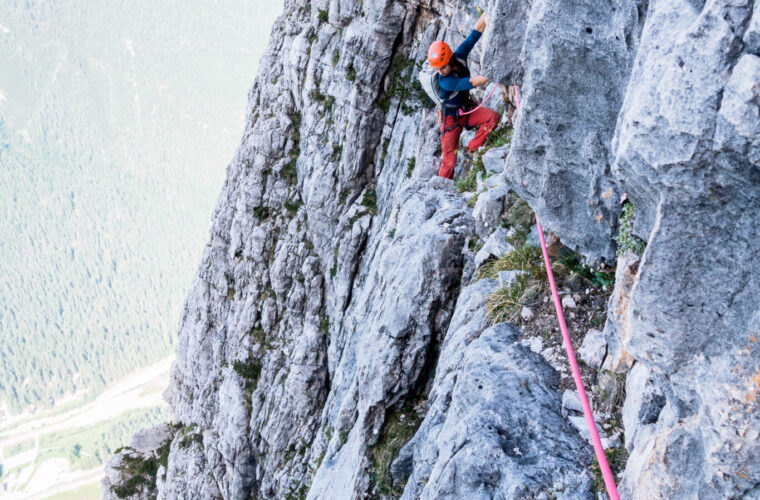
(626, 240)
(398, 429)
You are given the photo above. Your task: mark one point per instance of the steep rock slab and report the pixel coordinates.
(687, 155)
(251, 370)
(576, 57)
(402, 304)
(494, 428)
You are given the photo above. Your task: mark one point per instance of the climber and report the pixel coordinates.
(454, 84)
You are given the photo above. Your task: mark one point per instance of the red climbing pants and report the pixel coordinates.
(485, 118)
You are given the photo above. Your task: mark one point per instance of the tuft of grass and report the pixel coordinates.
(392, 233)
(519, 216)
(473, 200)
(398, 429)
(292, 206)
(322, 15)
(324, 326)
(626, 240)
(524, 258)
(410, 164)
(335, 57)
(616, 458)
(469, 182)
(505, 303)
(498, 137)
(351, 74)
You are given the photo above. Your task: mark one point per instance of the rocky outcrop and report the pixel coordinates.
(687, 155)
(493, 428)
(336, 302)
(577, 58)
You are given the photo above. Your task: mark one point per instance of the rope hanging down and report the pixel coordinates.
(609, 481)
(495, 86)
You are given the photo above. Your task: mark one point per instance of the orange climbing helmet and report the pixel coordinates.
(439, 54)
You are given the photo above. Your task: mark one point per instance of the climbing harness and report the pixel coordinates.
(609, 481)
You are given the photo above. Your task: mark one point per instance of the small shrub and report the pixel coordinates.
(626, 240)
(351, 74)
(140, 474)
(370, 201)
(322, 15)
(335, 57)
(324, 326)
(519, 216)
(249, 371)
(261, 213)
(392, 233)
(403, 86)
(571, 264)
(329, 101)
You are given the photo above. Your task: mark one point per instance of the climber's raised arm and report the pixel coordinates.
(465, 47)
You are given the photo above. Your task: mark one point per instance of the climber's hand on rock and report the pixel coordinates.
(481, 24)
(478, 80)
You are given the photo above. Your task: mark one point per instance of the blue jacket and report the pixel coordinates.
(452, 83)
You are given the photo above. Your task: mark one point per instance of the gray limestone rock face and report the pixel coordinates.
(494, 428)
(402, 303)
(488, 210)
(502, 57)
(687, 155)
(577, 57)
(593, 349)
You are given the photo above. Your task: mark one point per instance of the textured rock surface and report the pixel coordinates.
(577, 57)
(494, 428)
(335, 262)
(687, 155)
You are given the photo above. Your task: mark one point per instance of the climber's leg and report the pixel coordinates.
(450, 145)
(486, 119)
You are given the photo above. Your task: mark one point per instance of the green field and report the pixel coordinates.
(15, 449)
(89, 447)
(89, 492)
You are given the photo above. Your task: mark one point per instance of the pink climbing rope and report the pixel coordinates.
(517, 96)
(609, 481)
(495, 86)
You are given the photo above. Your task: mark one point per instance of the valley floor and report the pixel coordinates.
(60, 452)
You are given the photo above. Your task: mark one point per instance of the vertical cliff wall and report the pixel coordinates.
(335, 308)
